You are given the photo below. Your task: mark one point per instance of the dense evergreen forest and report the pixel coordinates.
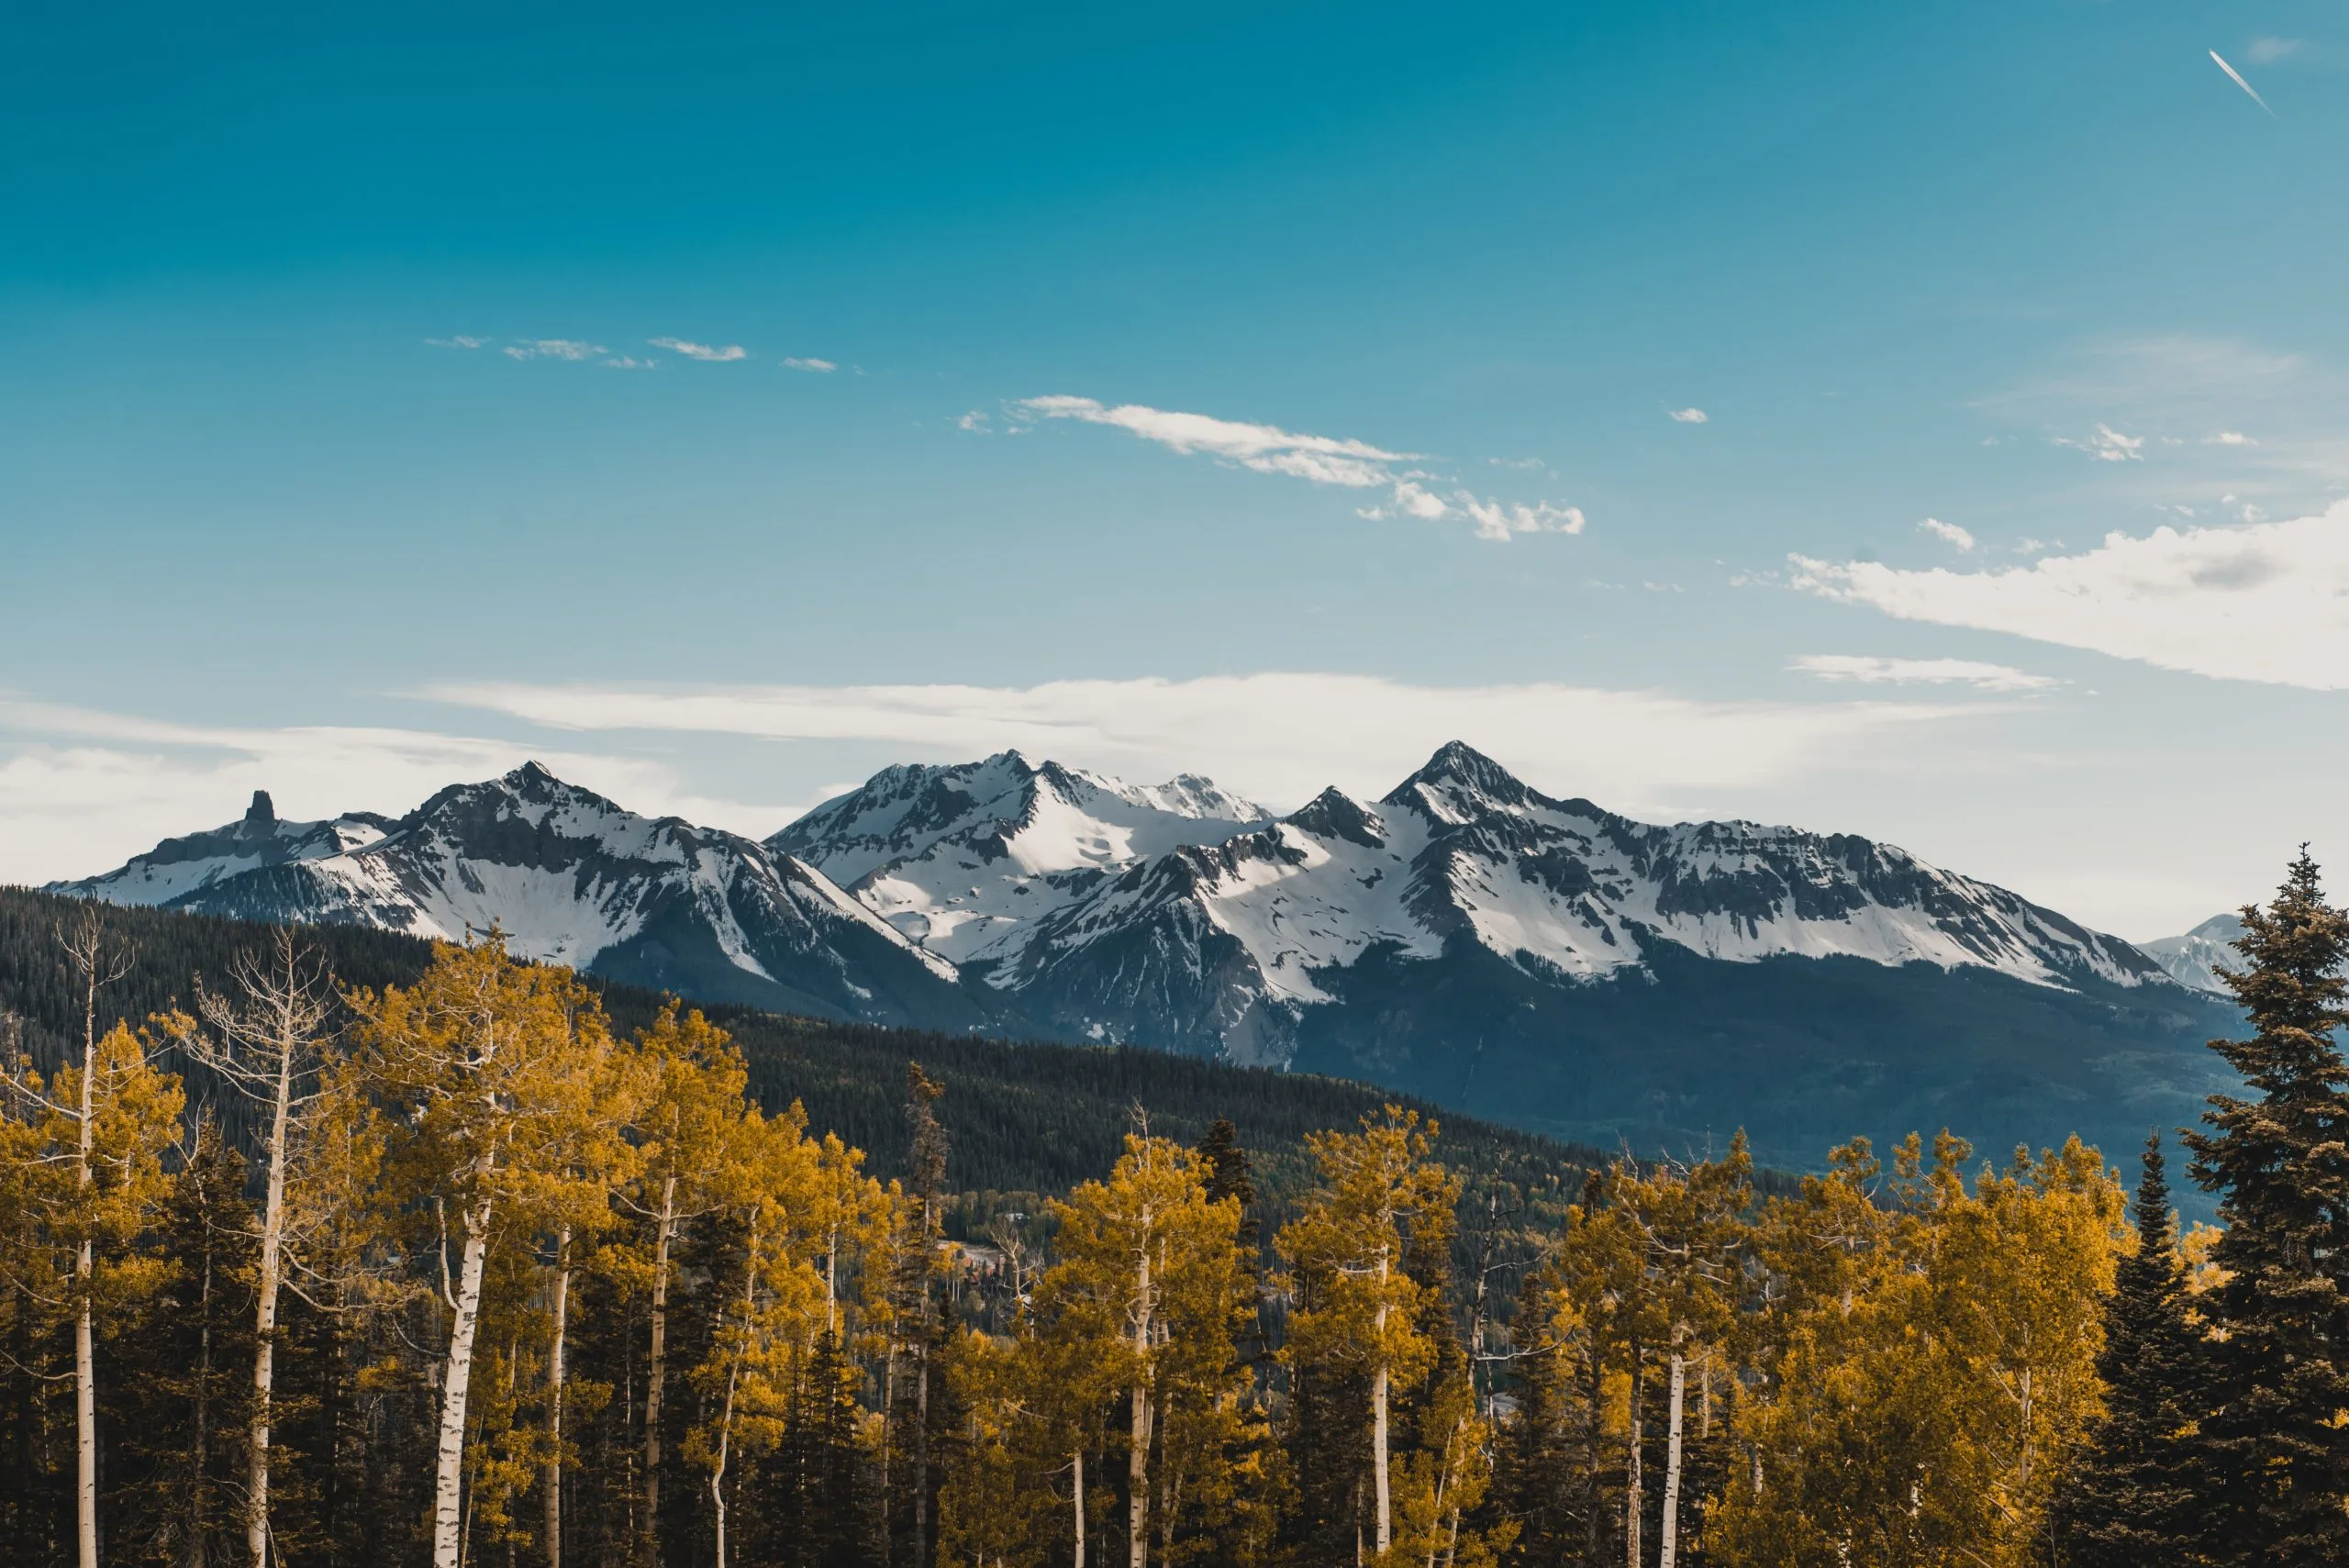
(327, 1247)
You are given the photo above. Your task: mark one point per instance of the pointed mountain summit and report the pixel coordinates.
(965, 859)
(2195, 959)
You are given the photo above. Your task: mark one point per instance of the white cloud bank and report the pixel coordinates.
(1874, 670)
(1322, 460)
(2257, 602)
(81, 790)
(1280, 737)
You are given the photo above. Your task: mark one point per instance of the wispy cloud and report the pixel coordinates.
(976, 419)
(2236, 76)
(1525, 463)
(2233, 438)
(1948, 533)
(708, 353)
(458, 342)
(1267, 449)
(2268, 51)
(1691, 416)
(573, 349)
(1871, 669)
(820, 367)
(1281, 737)
(2249, 601)
(1322, 460)
(2106, 445)
(630, 363)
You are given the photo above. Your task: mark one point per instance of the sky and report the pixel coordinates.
(1925, 421)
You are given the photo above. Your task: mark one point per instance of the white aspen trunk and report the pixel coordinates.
(1078, 1464)
(448, 1490)
(718, 1471)
(85, 1263)
(662, 1226)
(1382, 1492)
(85, 1421)
(832, 1281)
(273, 1233)
(552, 1477)
(1138, 1457)
(733, 1380)
(1443, 1485)
(1632, 1497)
(1668, 1550)
(201, 1525)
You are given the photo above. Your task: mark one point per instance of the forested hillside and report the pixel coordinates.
(1028, 1118)
(503, 1266)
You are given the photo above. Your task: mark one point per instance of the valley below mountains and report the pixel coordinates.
(1538, 962)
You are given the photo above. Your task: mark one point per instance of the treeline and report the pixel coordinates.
(508, 1279)
(1030, 1117)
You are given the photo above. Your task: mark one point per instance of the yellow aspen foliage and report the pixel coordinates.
(1928, 1360)
(1359, 1312)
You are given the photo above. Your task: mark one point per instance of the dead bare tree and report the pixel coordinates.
(268, 1043)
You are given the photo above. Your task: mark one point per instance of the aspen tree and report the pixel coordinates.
(101, 1128)
(692, 1086)
(494, 1070)
(1159, 1264)
(1935, 1364)
(1357, 1308)
(1687, 1225)
(778, 1193)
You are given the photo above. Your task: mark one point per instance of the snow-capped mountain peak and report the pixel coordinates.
(2195, 959)
(965, 859)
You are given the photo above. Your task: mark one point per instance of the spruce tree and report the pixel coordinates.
(2271, 1470)
(2125, 1504)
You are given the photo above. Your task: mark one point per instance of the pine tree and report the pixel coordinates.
(2125, 1503)
(2272, 1462)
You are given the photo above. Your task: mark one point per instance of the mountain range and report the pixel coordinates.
(1537, 960)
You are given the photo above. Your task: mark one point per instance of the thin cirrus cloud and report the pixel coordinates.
(817, 367)
(709, 353)
(1874, 670)
(1281, 737)
(1319, 459)
(573, 349)
(1948, 533)
(1691, 416)
(2249, 601)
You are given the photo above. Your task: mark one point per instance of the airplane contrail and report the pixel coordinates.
(2237, 77)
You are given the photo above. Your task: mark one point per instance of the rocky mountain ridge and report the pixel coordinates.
(1466, 937)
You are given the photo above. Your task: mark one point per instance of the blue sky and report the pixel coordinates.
(370, 415)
